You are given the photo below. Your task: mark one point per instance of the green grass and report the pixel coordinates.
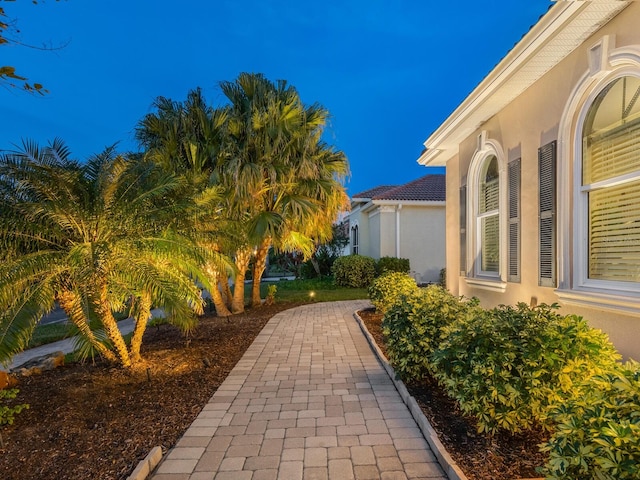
(314, 290)
(53, 332)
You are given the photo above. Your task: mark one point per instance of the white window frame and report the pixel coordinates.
(355, 239)
(574, 286)
(494, 281)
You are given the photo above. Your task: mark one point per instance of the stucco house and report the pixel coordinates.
(543, 171)
(405, 221)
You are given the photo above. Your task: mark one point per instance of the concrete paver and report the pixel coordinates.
(308, 400)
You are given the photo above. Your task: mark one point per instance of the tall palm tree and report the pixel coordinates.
(98, 237)
(185, 138)
(284, 175)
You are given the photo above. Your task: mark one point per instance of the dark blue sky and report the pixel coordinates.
(388, 71)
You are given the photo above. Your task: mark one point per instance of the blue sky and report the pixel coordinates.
(388, 71)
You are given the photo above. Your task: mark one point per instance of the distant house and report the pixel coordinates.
(543, 171)
(405, 221)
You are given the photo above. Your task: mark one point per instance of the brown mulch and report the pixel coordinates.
(98, 422)
(503, 457)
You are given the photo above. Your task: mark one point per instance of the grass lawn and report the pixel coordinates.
(315, 290)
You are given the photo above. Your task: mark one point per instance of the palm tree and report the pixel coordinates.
(98, 237)
(284, 175)
(185, 138)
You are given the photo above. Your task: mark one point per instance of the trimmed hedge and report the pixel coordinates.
(356, 271)
(598, 435)
(412, 328)
(389, 288)
(507, 366)
(392, 264)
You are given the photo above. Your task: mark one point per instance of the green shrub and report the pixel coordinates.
(389, 288)
(509, 365)
(356, 271)
(392, 264)
(413, 326)
(7, 412)
(598, 435)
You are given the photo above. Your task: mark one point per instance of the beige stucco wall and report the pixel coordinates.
(373, 249)
(528, 122)
(422, 240)
(422, 235)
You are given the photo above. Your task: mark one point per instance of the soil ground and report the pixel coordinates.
(96, 421)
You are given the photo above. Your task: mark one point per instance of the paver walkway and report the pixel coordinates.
(308, 400)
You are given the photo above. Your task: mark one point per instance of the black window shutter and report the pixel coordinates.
(514, 222)
(463, 230)
(547, 214)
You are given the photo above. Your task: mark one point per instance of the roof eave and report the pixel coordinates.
(474, 110)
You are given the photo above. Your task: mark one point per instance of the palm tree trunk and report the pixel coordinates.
(226, 290)
(216, 296)
(70, 303)
(243, 257)
(259, 265)
(142, 318)
(103, 310)
(218, 301)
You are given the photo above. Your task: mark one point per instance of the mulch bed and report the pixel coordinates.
(503, 457)
(98, 422)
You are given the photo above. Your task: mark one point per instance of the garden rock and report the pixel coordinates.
(40, 364)
(7, 380)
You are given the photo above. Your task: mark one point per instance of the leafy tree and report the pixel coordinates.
(8, 74)
(97, 237)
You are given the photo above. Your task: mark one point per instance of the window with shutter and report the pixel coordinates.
(488, 218)
(463, 230)
(513, 241)
(547, 214)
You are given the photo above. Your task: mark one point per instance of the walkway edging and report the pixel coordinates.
(447, 463)
(146, 465)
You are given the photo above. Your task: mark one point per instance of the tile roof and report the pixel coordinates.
(428, 188)
(372, 192)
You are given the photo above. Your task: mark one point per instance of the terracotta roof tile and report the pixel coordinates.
(372, 192)
(428, 188)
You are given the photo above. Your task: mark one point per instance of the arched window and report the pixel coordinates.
(609, 197)
(486, 223)
(354, 239)
(488, 217)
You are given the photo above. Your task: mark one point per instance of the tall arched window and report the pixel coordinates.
(610, 184)
(488, 217)
(354, 240)
(486, 222)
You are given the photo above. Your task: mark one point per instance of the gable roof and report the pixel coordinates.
(430, 188)
(564, 27)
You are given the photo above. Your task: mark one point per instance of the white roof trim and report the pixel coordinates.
(560, 31)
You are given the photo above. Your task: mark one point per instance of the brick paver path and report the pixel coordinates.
(308, 400)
